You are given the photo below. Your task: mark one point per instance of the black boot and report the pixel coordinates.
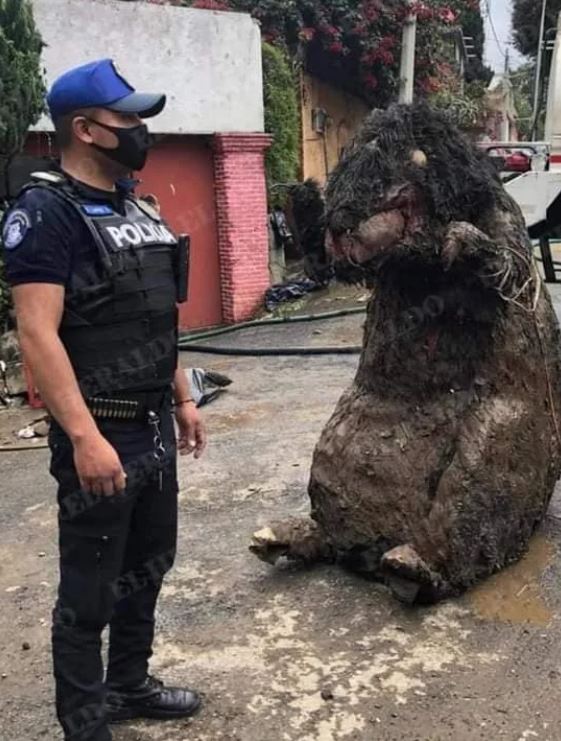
(150, 699)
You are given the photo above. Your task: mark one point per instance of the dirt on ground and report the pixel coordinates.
(289, 654)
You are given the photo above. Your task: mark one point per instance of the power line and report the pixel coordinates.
(492, 24)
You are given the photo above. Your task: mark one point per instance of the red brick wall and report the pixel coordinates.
(241, 216)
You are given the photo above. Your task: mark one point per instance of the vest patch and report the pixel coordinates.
(96, 209)
(138, 233)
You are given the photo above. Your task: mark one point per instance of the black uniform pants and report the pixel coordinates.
(114, 552)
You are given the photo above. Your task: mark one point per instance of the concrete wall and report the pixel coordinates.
(320, 153)
(209, 63)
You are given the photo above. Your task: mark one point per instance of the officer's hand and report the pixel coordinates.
(98, 466)
(191, 430)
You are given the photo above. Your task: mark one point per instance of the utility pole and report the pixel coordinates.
(407, 71)
(505, 125)
(537, 84)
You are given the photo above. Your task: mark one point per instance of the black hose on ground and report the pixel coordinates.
(189, 343)
(270, 351)
(195, 337)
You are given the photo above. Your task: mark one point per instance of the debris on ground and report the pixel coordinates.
(283, 292)
(36, 429)
(205, 385)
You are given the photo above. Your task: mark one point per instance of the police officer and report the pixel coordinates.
(96, 275)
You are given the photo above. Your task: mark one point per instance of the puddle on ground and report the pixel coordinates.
(514, 595)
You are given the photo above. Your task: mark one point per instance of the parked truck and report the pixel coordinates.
(531, 171)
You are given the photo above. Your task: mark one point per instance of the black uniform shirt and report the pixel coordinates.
(44, 237)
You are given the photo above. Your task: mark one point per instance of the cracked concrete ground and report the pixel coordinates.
(289, 654)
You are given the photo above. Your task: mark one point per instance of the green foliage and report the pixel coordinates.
(21, 94)
(526, 23)
(21, 83)
(5, 300)
(523, 84)
(281, 116)
(5, 293)
(472, 25)
(465, 110)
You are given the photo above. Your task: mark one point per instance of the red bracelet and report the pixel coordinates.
(184, 401)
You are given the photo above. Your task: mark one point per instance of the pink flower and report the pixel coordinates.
(424, 13)
(370, 10)
(387, 57)
(380, 54)
(430, 84)
(361, 30)
(371, 81)
(330, 30)
(388, 42)
(210, 5)
(447, 15)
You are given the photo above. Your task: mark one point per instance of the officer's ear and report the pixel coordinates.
(81, 128)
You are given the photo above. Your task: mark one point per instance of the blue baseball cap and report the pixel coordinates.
(100, 85)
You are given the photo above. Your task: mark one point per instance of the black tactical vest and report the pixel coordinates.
(119, 325)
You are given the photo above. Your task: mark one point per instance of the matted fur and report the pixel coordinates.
(440, 460)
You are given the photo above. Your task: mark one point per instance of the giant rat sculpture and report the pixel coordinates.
(440, 460)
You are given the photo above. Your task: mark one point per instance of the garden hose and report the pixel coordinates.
(195, 337)
(272, 351)
(189, 342)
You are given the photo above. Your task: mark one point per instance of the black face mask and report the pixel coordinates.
(133, 146)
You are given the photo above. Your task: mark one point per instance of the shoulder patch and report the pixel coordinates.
(15, 228)
(96, 209)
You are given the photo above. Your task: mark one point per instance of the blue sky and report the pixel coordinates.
(500, 12)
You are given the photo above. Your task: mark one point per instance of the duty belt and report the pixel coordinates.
(132, 407)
